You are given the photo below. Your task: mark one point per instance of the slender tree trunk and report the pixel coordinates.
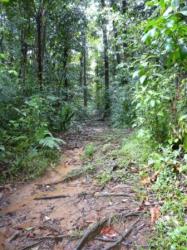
(97, 94)
(115, 31)
(65, 70)
(40, 23)
(85, 94)
(123, 11)
(124, 6)
(106, 64)
(81, 69)
(23, 61)
(84, 61)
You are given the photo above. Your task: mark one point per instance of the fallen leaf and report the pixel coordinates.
(29, 229)
(146, 181)
(155, 214)
(108, 232)
(141, 207)
(154, 177)
(147, 203)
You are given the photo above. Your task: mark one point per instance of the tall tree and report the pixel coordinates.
(84, 61)
(106, 63)
(124, 6)
(114, 7)
(41, 36)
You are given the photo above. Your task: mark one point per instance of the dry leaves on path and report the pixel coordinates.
(155, 214)
(108, 232)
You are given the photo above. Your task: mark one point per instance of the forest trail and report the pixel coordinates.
(55, 211)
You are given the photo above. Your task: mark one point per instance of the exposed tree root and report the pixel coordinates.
(32, 245)
(91, 233)
(56, 238)
(84, 194)
(51, 197)
(43, 238)
(123, 243)
(113, 194)
(73, 175)
(96, 228)
(122, 237)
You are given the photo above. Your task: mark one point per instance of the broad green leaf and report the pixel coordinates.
(169, 47)
(152, 103)
(168, 11)
(145, 37)
(142, 79)
(175, 4)
(183, 11)
(136, 74)
(185, 142)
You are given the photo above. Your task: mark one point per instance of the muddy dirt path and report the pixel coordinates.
(55, 211)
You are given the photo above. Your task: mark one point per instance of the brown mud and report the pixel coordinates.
(27, 223)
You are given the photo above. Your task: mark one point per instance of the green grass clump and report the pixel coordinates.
(104, 177)
(30, 165)
(89, 150)
(90, 169)
(135, 148)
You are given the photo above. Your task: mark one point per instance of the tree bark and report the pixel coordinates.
(115, 31)
(23, 61)
(65, 70)
(41, 27)
(124, 6)
(85, 71)
(106, 64)
(81, 69)
(84, 61)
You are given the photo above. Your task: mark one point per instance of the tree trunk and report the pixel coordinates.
(65, 70)
(85, 70)
(124, 6)
(41, 27)
(23, 61)
(115, 31)
(98, 89)
(106, 64)
(81, 69)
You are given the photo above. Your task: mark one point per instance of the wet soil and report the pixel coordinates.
(28, 223)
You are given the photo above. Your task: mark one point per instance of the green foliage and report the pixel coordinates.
(136, 148)
(170, 229)
(31, 164)
(104, 177)
(89, 150)
(122, 106)
(153, 98)
(90, 169)
(27, 145)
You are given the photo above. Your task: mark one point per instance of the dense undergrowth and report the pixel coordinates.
(169, 187)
